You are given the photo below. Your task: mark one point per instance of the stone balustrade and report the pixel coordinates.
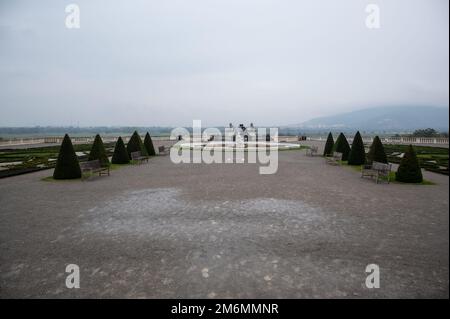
(108, 139)
(397, 140)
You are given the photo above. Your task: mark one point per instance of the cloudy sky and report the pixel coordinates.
(168, 62)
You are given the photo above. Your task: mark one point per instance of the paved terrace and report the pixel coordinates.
(161, 230)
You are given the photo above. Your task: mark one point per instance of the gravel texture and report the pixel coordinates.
(161, 230)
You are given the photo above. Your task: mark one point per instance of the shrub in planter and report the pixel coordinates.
(342, 146)
(148, 143)
(409, 169)
(120, 155)
(67, 166)
(357, 154)
(135, 145)
(376, 152)
(329, 145)
(98, 152)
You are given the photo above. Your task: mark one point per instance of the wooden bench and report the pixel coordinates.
(377, 170)
(138, 157)
(162, 150)
(94, 167)
(335, 159)
(313, 150)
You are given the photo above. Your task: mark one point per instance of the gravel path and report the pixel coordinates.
(161, 230)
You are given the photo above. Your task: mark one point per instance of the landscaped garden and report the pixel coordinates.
(434, 159)
(377, 162)
(69, 156)
(19, 161)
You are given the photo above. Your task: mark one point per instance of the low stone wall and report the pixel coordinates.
(75, 140)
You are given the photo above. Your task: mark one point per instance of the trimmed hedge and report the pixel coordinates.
(342, 146)
(67, 165)
(376, 152)
(98, 152)
(329, 145)
(135, 145)
(120, 155)
(357, 154)
(409, 170)
(148, 143)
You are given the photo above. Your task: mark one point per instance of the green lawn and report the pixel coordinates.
(112, 167)
(358, 169)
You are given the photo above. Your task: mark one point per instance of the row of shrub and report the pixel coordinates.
(408, 171)
(68, 167)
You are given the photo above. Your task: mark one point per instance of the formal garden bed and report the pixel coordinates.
(375, 162)
(72, 157)
(433, 159)
(21, 161)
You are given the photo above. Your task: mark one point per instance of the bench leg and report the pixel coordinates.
(90, 174)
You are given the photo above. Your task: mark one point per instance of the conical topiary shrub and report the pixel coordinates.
(120, 155)
(357, 154)
(135, 145)
(329, 145)
(376, 152)
(342, 146)
(148, 143)
(67, 166)
(98, 152)
(409, 170)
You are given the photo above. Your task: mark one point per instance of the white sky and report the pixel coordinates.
(168, 62)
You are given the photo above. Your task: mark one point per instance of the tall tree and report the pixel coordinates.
(329, 145)
(67, 165)
(342, 146)
(376, 152)
(357, 154)
(409, 169)
(120, 155)
(98, 152)
(428, 132)
(148, 143)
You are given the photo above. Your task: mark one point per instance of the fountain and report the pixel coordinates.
(239, 138)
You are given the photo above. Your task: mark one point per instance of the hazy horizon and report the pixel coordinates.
(151, 63)
(188, 125)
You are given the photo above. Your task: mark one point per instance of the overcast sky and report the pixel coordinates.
(154, 62)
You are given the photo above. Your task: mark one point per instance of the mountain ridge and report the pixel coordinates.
(383, 119)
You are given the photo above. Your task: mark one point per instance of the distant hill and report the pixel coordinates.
(396, 118)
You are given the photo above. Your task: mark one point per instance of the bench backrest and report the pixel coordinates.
(94, 164)
(314, 149)
(135, 155)
(381, 166)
